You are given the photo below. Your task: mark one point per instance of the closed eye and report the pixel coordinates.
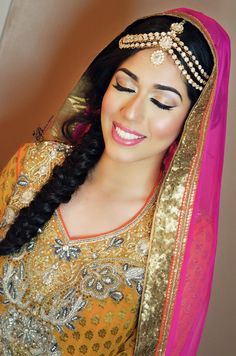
(154, 101)
(160, 105)
(121, 88)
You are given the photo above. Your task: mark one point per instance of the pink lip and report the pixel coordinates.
(123, 141)
(127, 130)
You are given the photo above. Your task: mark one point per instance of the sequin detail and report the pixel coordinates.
(22, 334)
(65, 251)
(99, 281)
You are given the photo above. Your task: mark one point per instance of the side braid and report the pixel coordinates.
(64, 180)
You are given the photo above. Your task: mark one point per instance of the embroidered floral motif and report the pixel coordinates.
(27, 321)
(66, 252)
(64, 310)
(26, 335)
(116, 295)
(134, 275)
(115, 242)
(49, 275)
(99, 281)
(12, 285)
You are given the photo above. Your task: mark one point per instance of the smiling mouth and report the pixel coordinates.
(127, 134)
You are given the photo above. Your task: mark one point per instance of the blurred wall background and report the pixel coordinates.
(44, 48)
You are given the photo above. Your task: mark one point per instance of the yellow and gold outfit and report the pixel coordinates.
(61, 296)
(64, 296)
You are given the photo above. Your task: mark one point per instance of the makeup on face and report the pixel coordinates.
(143, 109)
(165, 97)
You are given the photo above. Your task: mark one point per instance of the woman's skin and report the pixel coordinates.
(152, 100)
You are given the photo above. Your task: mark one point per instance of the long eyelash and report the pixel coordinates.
(120, 88)
(160, 105)
(156, 102)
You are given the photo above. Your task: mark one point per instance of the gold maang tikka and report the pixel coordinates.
(169, 42)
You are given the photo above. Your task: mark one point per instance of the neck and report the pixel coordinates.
(125, 179)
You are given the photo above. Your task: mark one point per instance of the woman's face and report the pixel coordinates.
(143, 109)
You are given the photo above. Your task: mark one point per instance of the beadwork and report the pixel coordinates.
(169, 42)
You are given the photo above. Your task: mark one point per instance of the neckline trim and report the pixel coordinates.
(120, 229)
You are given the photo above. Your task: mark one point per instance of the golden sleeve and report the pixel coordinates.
(9, 176)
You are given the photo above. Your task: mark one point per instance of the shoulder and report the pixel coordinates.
(36, 153)
(38, 159)
(33, 164)
(45, 149)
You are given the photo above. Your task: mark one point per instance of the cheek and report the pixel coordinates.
(109, 105)
(166, 128)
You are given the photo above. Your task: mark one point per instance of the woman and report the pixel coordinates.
(142, 161)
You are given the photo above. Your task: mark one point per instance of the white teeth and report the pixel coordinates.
(126, 135)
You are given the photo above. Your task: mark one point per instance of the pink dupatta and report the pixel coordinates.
(180, 335)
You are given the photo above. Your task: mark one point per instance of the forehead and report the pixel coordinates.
(166, 73)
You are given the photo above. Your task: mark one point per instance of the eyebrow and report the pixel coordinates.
(156, 86)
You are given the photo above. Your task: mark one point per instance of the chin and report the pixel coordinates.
(121, 157)
(124, 155)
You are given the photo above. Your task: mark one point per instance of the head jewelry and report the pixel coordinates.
(171, 43)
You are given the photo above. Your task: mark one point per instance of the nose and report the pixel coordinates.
(133, 108)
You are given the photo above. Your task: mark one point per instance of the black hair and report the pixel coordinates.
(68, 177)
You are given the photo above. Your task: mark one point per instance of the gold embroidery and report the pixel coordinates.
(82, 321)
(107, 344)
(109, 317)
(76, 335)
(83, 349)
(89, 334)
(102, 333)
(95, 319)
(38, 162)
(114, 330)
(71, 350)
(95, 346)
(64, 337)
(122, 314)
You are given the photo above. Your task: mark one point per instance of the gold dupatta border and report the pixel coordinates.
(171, 221)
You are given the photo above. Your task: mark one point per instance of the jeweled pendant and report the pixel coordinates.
(157, 57)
